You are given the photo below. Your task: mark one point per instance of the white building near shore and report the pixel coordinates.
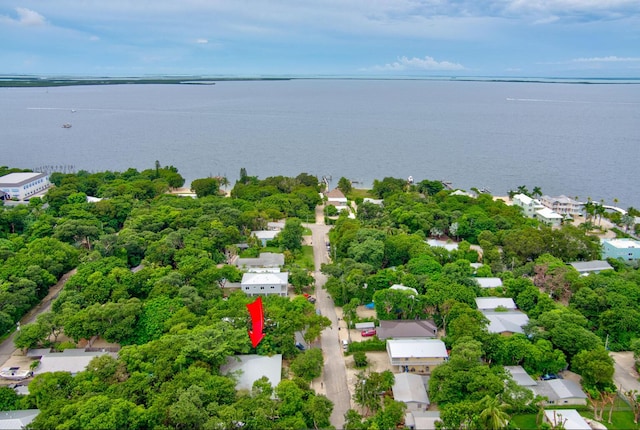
(22, 185)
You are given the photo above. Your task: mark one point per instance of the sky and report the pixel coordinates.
(380, 38)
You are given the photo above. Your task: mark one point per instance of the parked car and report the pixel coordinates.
(549, 376)
(369, 332)
(300, 346)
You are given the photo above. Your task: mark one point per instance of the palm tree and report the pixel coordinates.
(493, 416)
(522, 189)
(537, 192)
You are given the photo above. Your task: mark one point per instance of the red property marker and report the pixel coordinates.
(257, 321)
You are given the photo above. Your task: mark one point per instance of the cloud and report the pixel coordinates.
(608, 59)
(202, 41)
(29, 17)
(426, 63)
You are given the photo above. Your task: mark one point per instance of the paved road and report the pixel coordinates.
(7, 347)
(625, 375)
(334, 375)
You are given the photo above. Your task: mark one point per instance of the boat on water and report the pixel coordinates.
(15, 374)
(66, 125)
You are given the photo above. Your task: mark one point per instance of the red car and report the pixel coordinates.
(368, 332)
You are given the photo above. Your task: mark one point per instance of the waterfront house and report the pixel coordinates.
(623, 249)
(416, 355)
(549, 217)
(529, 206)
(562, 205)
(22, 185)
(263, 284)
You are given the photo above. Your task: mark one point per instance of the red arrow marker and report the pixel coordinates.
(257, 321)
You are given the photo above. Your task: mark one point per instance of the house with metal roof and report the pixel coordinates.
(568, 419)
(262, 284)
(560, 392)
(506, 323)
(265, 236)
(549, 217)
(421, 420)
(486, 282)
(70, 360)
(248, 368)
(410, 389)
(493, 303)
(520, 376)
(20, 419)
(416, 355)
(265, 260)
(399, 329)
(587, 267)
(446, 244)
(562, 204)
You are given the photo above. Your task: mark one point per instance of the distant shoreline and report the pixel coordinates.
(27, 81)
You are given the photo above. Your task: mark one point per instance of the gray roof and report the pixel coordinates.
(406, 328)
(409, 388)
(20, 178)
(510, 321)
(266, 259)
(521, 377)
(251, 367)
(265, 234)
(559, 389)
(422, 420)
(12, 420)
(418, 348)
(591, 266)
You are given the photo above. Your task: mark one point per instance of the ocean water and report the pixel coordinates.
(581, 140)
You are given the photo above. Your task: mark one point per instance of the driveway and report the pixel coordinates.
(334, 375)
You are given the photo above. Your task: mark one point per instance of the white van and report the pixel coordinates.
(345, 345)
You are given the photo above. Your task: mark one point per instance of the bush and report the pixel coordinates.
(360, 359)
(374, 344)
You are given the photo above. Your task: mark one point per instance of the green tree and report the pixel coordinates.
(205, 187)
(596, 368)
(344, 185)
(308, 365)
(291, 234)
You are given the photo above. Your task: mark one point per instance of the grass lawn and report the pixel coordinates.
(524, 422)
(305, 259)
(360, 192)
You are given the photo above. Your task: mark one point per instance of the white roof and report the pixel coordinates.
(525, 199)
(17, 177)
(409, 387)
(69, 360)
(400, 348)
(11, 420)
(251, 367)
(570, 418)
(281, 278)
(548, 214)
(490, 303)
(422, 420)
(622, 243)
(265, 234)
(449, 246)
(510, 321)
(489, 282)
(402, 287)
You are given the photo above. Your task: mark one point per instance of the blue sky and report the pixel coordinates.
(519, 38)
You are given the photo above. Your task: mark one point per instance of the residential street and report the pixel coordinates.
(334, 376)
(7, 348)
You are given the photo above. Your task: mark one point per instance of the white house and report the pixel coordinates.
(416, 355)
(22, 185)
(549, 217)
(261, 284)
(529, 206)
(335, 197)
(410, 389)
(560, 392)
(421, 420)
(448, 245)
(69, 360)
